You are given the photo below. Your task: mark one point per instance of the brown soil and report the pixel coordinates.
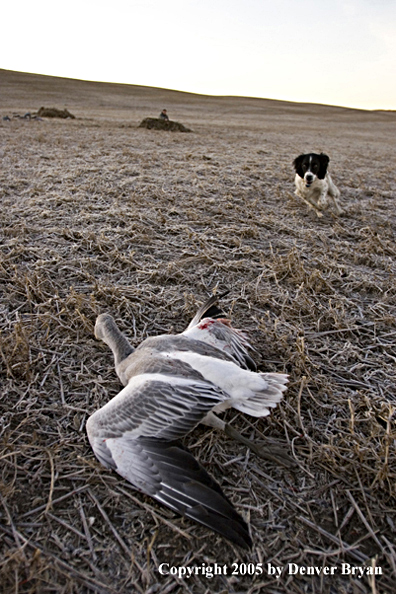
(167, 125)
(53, 112)
(101, 215)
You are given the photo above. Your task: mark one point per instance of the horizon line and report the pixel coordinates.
(219, 96)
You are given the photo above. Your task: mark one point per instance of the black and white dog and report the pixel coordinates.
(314, 184)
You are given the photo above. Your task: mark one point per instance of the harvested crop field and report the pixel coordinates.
(98, 215)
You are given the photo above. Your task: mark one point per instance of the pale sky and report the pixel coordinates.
(338, 52)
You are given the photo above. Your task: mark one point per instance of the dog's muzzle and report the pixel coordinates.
(308, 181)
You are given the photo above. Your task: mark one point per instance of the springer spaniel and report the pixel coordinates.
(314, 184)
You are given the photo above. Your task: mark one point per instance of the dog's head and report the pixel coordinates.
(311, 166)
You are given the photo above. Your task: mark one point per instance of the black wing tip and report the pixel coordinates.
(246, 542)
(223, 294)
(233, 529)
(188, 489)
(210, 308)
(215, 311)
(250, 363)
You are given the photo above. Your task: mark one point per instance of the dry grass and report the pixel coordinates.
(99, 215)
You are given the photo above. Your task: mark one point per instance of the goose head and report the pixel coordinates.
(107, 330)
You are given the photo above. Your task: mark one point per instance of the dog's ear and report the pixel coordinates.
(297, 163)
(324, 161)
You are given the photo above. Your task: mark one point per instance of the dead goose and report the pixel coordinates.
(173, 383)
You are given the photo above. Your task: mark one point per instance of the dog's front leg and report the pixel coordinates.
(310, 204)
(322, 202)
(337, 206)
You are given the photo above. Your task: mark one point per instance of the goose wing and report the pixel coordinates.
(156, 405)
(209, 309)
(136, 434)
(170, 474)
(210, 326)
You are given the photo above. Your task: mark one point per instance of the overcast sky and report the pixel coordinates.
(338, 52)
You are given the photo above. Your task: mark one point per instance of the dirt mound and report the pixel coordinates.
(157, 124)
(53, 112)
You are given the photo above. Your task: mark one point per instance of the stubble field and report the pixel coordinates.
(98, 215)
